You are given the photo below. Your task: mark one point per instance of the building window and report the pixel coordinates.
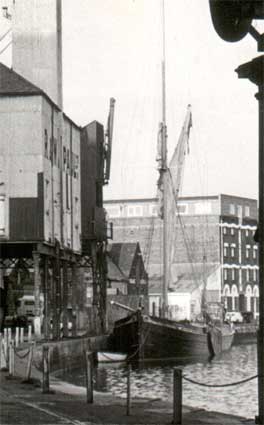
(130, 211)
(2, 214)
(247, 211)
(225, 250)
(247, 275)
(51, 149)
(224, 230)
(138, 211)
(254, 275)
(154, 210)
(233, 274)
(55, 147)
(255, 248)
(64, 158)
(68, 160)
(239, 211)
(46, 145)
(225, 274)
(247, 251)
(232, 251)
(232, 209)
(232, 231)
(182, 209)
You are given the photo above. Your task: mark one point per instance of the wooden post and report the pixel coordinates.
(154, 309)
(29, 333)
(74, 284)
(37, 285)
(89, 376)
(9, 335)
(17, 337)
(6, 350)
(46, 319)
(21, 336)
(56, 294)
(128, 404)
(2, 353)
(65, 300)
(177, 396)
(45, 365)
(11, 358)
(30, 358)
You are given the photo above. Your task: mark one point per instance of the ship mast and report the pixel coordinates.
(164, 170)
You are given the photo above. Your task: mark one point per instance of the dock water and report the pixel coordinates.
(24, 403)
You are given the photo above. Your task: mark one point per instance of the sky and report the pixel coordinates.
(113, 48)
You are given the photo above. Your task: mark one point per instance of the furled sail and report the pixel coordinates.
(174, 184)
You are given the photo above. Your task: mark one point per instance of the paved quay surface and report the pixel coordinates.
(25, 404)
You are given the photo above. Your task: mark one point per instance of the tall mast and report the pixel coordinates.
(164, 169)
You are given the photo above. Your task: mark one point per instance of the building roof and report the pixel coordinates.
(185, 278)
(123, 254)
(114, 273)
(12, 83)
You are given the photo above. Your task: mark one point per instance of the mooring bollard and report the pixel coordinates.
(89, 376)
(30, 359)
(45, 380)
(29, 333)
(128, 404)
(177, 396)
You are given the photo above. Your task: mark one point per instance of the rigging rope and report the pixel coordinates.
(4, 49)
(182, 226)
(5, 34)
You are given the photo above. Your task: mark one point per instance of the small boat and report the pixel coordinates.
(147, 338)
(110, 357)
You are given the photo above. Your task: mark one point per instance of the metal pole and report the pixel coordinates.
(254, 71)
(260, 98)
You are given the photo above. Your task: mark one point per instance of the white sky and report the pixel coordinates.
(112, 48)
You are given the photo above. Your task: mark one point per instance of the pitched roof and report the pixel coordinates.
(12, 83)
(185, 278)
(113, 272)
(123, 254)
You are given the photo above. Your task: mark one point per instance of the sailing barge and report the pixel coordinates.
(146, 338)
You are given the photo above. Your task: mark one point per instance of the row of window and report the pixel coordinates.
(230, 250)
(238, 210)
(232, 304)
(231, 231)
(130, 211)
(251, 274)
(69, 160)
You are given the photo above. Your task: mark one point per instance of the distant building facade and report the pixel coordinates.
(214, 237)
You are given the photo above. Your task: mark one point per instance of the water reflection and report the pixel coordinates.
(155, 381)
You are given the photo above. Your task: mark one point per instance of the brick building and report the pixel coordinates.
(213, 237)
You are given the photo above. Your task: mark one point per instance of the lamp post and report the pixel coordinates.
(254, 71)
